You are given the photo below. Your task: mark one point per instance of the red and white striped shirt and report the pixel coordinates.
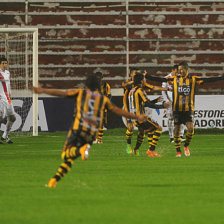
(5, 89)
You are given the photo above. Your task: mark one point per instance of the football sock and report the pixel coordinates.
(155, 139)
(170, 127)
(69, 155)
(8, 128)
(182, 130)
(140, 139)
(177, 143)
(129, 136)
(63, 169)
(150, 137)
(100, 134)
(188, 138)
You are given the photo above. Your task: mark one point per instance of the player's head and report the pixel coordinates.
(174, 70)
(99, 75)
(132, 72)
(92, 83)
(183, 68)
(139, 79)
(3, 63)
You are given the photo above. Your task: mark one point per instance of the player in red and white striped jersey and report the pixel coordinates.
(6, 106)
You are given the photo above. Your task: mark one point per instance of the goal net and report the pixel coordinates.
(20, 47)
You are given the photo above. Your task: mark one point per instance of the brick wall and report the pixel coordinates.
(76, 39)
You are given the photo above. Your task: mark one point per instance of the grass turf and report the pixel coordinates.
(111, 186)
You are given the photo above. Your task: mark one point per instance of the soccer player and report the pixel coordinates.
(184, 87)
(105, 90)
(5, 100)
(88, 116)
(128, 85)
(167, 97)
(137, 101)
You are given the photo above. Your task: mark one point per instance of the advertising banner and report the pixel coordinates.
(56, 114)
(209, 112)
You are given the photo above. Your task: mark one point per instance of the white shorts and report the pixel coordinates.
(169, 112)
(6, 109)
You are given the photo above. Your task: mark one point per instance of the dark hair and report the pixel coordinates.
(133, 69)
(138, 78)
(3, 59)
(175, 67)
(92, 82)
(99, 75)
(184, 64)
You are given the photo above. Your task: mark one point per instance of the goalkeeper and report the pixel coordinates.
(88, 116)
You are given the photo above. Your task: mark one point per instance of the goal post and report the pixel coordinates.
(20, 46)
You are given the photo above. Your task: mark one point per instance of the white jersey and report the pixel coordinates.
(167, 95)
(5, 90)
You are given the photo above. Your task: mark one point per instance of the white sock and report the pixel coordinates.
(8, 128)
(182, 130)
(170, 127)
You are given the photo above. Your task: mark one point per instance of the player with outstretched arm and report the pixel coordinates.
(184, 87)
(88, 116)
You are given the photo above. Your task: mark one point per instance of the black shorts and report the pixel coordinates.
(148, 125)
(183, 117)
(78, 139)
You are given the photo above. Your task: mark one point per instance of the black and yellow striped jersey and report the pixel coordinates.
(184, 91)
(105, 89)
(89, 109)
(147, 87)
(136, 99)
(127, 89)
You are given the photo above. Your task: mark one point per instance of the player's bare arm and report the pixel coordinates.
(152, 104)
(52, 92)
(124, 113)
(159, 88)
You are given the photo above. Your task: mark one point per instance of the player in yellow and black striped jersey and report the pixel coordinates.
(137, 101)
(128, 85)
(88, 116)
(106, 91)
(184, 87)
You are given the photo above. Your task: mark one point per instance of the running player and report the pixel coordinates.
(128, 85)
(5, 100)
(105, 90)
(137, 101)
(88, 116)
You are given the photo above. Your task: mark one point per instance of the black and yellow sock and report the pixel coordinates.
(177, 142)
(189, 136)
(129, 136)
(100, 134)
(69, 155)
(63, 169)
(155, 140)
(140, 139)
(150, 137)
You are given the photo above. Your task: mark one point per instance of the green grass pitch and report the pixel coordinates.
(111, 186)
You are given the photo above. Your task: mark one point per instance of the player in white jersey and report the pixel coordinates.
(6, 107)
(168, 97)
